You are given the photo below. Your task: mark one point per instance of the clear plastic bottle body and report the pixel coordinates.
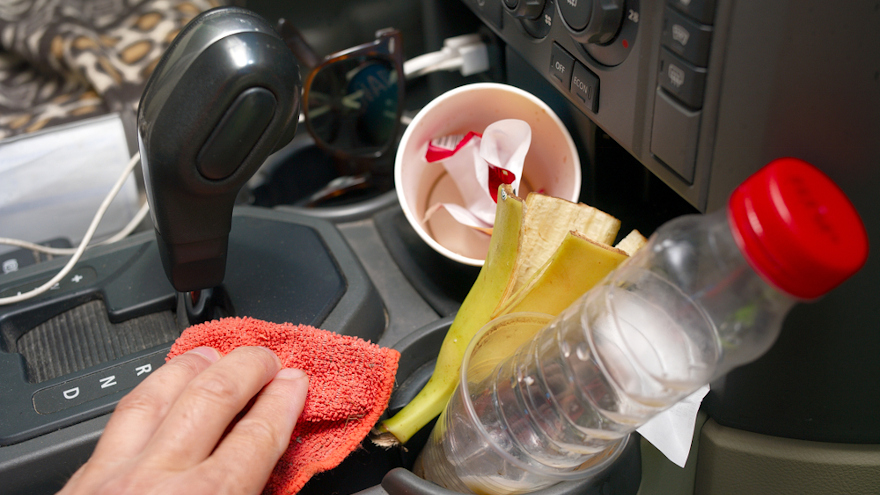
(684, 310)
(478, 447)
(697, 254)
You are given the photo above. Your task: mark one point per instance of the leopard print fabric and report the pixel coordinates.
(65, 60)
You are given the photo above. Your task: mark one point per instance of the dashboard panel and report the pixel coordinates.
(705, 92)
(688, 87)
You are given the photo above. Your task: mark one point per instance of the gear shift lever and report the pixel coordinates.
(224, 96)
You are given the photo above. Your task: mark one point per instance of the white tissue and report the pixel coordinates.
(673, 430)
(504, 144)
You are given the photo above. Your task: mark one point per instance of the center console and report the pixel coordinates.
(68, 356)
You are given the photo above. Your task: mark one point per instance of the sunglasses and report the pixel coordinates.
(352, 99)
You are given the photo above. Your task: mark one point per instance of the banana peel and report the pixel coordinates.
(544, 253)
(475, 311)
(632, 242)
(575, 267)
(547, 223)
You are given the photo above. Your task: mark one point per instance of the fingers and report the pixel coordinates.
(139, 414)
(71, 485)
(162, 435)
(246, 456)
(201, 414)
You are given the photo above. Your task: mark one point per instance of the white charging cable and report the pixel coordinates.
(122, 234)
(466, 53)
(77, 252)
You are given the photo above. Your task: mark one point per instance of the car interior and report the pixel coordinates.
(670, 104)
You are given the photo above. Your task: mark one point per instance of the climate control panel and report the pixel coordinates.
(704, 92)
(639, 69)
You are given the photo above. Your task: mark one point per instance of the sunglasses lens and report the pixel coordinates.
(353, 104)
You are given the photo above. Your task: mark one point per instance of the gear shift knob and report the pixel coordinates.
(223, 97)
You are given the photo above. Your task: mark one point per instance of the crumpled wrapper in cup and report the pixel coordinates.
(478, 164)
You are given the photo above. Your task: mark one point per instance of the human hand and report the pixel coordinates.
(172, 433)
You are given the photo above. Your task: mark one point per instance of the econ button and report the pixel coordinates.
(585, 87)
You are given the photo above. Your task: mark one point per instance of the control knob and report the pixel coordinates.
(592, 21)
(526, 9)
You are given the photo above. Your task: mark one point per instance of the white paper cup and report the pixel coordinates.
(552, 165)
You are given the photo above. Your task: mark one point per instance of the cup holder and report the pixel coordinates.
(304, 175)
(372, 470)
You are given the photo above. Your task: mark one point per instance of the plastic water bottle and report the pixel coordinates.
(707, 293)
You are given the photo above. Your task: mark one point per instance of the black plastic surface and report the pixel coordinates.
(702, 10)
(284, 272)
(537, 26)
(675, 133)
(125, 277)
(576, 14)
(526, 9)
(491, 11)
(561, 66)
(13, 261)
(604, 16)
(349, 212)
(93, 386)
(306, 176)
(42, 465)
(443, 283)
(84, 337)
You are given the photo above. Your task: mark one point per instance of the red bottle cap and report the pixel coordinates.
(797, 229)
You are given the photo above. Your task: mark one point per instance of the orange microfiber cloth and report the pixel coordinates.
(350, 382)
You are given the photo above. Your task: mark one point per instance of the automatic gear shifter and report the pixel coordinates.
(224, 96)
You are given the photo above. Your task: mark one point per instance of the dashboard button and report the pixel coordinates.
(674, 135)
(682, 79)
(561, 64)
(691, 40)
(585, 87)
(701, 10)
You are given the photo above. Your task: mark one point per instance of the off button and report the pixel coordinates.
(585, 87)
(560, 66)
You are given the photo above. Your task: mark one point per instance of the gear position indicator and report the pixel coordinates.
(119, 378)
